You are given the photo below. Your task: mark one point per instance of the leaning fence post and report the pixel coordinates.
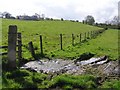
(73, 39)
(19, 47)
(61, 41)
(41, 47)
(31, 48)
(12, 38)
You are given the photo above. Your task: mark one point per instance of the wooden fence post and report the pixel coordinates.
(85, 36)
(80, 38)
(88, 35)
(61, 41)
(19, 47)
(91, 35)
(12, 38)
(31, 48)
(73, 39)
(98, 32)
(41, 47)
(95, 34)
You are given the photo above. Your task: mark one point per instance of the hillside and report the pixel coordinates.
(105, 44)
(71, 75)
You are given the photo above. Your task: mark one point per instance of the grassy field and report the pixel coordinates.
(25, 79)
(105, 44)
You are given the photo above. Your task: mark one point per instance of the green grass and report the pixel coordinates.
(113, 83)
(82, 82)
(105, 44)
(26, 79)
(22, 79)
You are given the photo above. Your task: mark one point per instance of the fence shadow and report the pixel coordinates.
(40, 56)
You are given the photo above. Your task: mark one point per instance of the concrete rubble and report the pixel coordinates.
(59, 66)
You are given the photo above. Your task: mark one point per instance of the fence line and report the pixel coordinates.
(15, 40)
(81, 37)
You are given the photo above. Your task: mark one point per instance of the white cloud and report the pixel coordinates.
(68, 9)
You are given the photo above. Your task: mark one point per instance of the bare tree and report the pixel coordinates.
(113, 21)
(37, 15)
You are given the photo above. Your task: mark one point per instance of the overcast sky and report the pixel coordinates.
(101, 10)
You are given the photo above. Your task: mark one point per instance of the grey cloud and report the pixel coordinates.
(68, 10)
(105, 13)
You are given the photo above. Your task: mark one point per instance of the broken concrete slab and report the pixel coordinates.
(98, 65)
(99, 60)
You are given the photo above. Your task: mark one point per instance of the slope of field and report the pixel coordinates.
(105, 44)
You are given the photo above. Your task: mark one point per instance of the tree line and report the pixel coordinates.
(114, 23)
(35, 17)
(89, 19)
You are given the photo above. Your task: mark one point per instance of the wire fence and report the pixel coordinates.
(50, 43)
(61, 41)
